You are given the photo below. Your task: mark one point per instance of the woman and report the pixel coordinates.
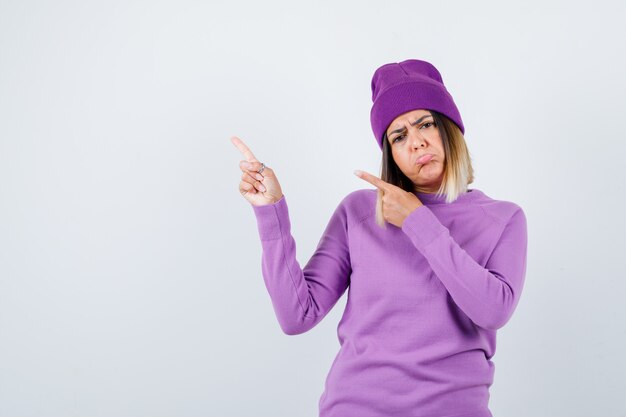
(425, 295)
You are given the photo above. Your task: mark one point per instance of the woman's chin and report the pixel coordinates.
(427, 178)
(429, 169)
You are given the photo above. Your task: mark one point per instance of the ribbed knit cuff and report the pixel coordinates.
(422, 227)
(272, 219)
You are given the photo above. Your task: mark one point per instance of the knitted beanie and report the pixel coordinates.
(408, 85)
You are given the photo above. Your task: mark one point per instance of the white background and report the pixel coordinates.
(130, 276)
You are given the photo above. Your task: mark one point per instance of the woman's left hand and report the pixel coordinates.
(397, 203)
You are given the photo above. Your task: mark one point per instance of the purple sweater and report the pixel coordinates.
(424, 300)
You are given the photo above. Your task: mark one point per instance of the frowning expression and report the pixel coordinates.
(414, 135)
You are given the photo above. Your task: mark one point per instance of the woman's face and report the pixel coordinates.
(412, 135)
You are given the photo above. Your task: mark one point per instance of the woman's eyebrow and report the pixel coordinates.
(412, 124)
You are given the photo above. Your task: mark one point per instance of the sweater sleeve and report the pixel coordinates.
(487, 295)
(302, 297)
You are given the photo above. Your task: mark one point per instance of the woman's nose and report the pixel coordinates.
(416, 138)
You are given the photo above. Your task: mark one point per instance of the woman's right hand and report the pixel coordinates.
(258, 189)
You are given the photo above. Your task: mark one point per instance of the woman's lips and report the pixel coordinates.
(424, 159)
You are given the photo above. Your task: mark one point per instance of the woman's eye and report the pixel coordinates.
(400, 137)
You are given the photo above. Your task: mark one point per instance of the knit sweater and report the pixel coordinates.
(424, 300)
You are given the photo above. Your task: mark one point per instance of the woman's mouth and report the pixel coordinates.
(424, 159)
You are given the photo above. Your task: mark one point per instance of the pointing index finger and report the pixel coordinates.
(375, 181)
(247, 153)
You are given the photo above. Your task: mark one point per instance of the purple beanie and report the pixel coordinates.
(408, 85)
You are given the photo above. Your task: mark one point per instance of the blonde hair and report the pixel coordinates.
(458, 172)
